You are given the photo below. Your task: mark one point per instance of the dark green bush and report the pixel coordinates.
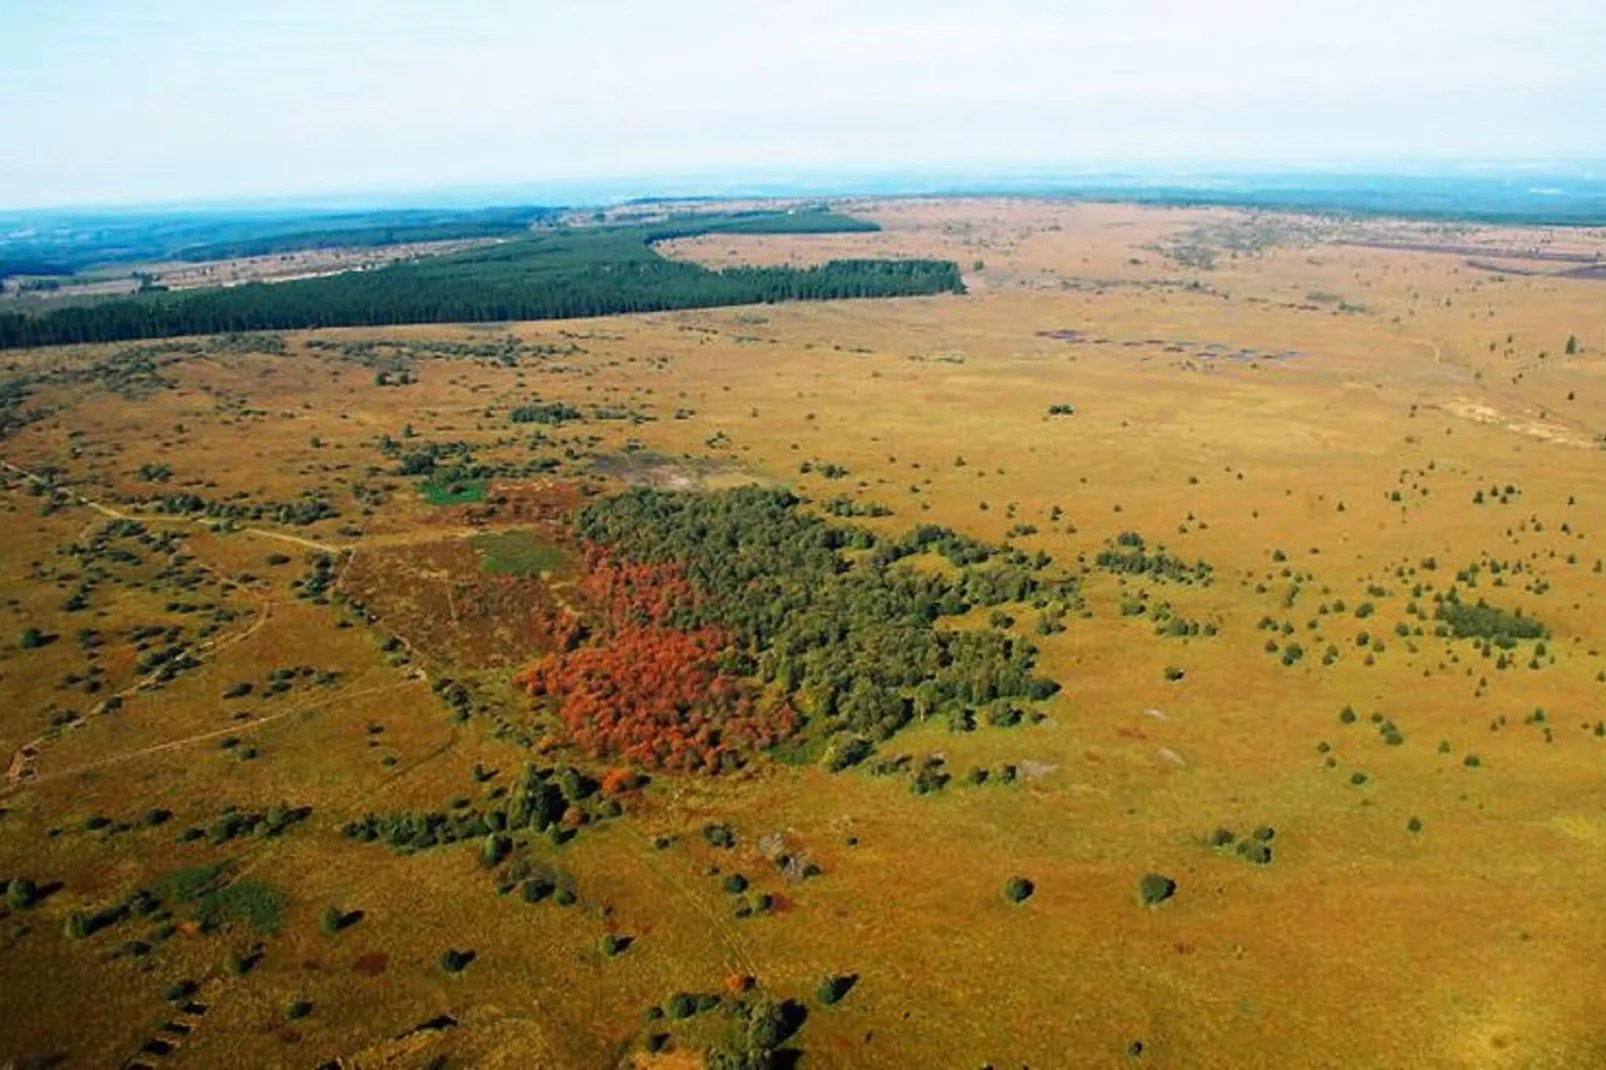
(21, 893)
(833, 988)
(1018, 889)
(719, 835)
(1154, 889)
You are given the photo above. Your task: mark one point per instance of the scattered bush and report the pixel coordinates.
(1256, 852)
(834, 987)
(21, 893)
(719, 835)
(845, 751)
(1154, 889)
(1018, 889)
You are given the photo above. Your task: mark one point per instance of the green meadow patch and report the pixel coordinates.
(516, 553)
(458, 492)
(212, 899)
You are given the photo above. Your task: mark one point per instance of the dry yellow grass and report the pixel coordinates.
(1473, 943)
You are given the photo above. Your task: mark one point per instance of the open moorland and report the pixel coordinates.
(1182, 648)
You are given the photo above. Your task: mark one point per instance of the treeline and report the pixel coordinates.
(809, 221)
(73, 240)
(491, 223)
(10, 266)
(559, 275)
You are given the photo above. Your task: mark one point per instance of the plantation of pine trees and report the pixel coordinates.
(555, 274)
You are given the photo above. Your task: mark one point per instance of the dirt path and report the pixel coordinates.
(237, 728)
(118, 514)
(19, 769)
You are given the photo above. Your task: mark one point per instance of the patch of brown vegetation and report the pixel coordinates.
(437, 597)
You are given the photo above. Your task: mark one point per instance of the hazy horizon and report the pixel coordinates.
(189, 103)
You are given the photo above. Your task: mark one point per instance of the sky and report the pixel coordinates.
(166, 101)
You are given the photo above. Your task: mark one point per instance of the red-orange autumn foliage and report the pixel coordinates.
(640, 690)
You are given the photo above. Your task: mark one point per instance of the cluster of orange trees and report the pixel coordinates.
(643, 690)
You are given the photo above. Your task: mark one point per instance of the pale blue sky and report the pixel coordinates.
(119, 101)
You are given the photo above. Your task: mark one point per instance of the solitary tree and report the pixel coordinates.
(21, 894)
(1155, 889)
(1018, 889)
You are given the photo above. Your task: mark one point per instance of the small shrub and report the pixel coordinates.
(842, 753)
(1018, 889)
(1154, 889)
(833, 988)
(455, 961)
(21, 893)
(718, 835)
(179, 990)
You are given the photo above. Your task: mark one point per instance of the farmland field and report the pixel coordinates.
(1181, 649)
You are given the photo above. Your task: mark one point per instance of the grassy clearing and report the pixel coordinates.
(516, 553)
(459, 493)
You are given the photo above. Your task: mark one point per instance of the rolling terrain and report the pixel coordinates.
(1181, 648)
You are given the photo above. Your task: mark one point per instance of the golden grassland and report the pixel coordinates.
(1300, 407)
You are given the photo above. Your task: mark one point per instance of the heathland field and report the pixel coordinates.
(1182, 649)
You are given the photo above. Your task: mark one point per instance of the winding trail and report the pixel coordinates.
(20, 769)
(117, 514)
(237, 728)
